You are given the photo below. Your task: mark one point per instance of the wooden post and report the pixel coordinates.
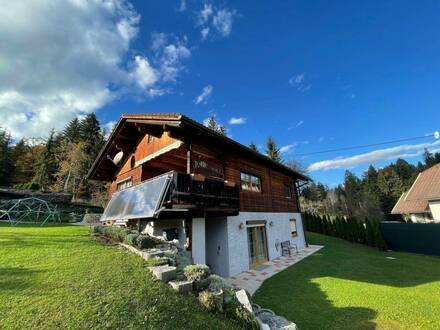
(188, 159)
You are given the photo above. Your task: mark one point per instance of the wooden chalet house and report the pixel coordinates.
(230, 206)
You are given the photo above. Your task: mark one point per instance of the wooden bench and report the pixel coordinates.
(286, 248)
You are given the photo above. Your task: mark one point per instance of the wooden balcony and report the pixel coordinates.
(201, 196)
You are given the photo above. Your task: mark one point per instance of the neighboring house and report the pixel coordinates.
(421, 203)
(230, 206)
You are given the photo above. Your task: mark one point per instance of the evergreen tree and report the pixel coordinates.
(73, 132)
(253, 146)
(429, 159)
(20, 168)
(272, 151)
(215, 126)
(353, 189)
(406, 172)
(47, 164)
(91, 133)
(391, 188)
(6, 162)
(369, 232)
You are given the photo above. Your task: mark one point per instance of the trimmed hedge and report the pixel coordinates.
(366, 232)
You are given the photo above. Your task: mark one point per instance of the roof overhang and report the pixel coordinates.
(130, 129)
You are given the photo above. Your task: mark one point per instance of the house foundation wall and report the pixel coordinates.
(222, 242)
(276, 233)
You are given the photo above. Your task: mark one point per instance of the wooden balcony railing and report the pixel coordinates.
(207, 195)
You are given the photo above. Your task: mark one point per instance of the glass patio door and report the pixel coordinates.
(257, 245)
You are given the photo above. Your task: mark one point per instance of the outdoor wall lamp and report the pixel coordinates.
(271, 223)
(241, 226)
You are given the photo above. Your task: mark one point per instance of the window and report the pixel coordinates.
(149, 139)
(250, 182)
(124, 184)
(287, 191)
(293, 230)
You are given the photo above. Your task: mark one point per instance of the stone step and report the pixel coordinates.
(182, 286)
(164, 273)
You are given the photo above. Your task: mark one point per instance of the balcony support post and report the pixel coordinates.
(182, 234)
(198, 248)
(188, 159)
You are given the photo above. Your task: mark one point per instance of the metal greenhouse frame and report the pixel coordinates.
(29, 209)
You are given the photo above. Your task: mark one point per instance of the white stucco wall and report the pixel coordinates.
(279, 232)
(217, 245)
(434, 206)
(156, 228)
(198, 241)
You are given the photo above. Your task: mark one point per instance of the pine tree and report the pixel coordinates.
(215, 126)
(72, 133)
(47, 164)
(21, 168)
(428, 158)
(6, 162)
(353, 189)
(369, 232)
(272, 151)
(91, 133)
(378, 237)
(253, 146)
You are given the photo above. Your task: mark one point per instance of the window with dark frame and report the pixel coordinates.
(124, 184)
(288, 193)
(250, 182)
(293, 230)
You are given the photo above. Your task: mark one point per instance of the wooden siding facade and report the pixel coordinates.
(209, 162)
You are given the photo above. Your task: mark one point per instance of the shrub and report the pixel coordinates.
(98, 229)
(145, 242)
(130, 239)
(112, 232)
(196, 272)
(236, 311)
(217, 283)
(208, 300)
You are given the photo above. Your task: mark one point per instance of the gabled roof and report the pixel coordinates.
(425, 188)
(132, 127)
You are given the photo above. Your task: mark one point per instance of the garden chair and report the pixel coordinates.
(286, 248)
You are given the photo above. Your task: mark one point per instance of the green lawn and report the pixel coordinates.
(57, 277)
(349, 286)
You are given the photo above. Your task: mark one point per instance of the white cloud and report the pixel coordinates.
(205, 13)
(299, 82)
(63, 59)
(222, 21)
(169, 55)
(108, 128)
(204, 32)
(214, 19)
(287, 148)
(182, 6)
(297, 79)
(206, 93)
(237, 121)
(402, 151)
(298, 124)
(143, 73)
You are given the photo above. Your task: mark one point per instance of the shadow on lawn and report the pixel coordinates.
(16, 278)
(294, 293)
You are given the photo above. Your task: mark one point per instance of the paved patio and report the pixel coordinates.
(252, 279)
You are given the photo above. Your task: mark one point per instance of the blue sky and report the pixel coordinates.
(315, 75)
